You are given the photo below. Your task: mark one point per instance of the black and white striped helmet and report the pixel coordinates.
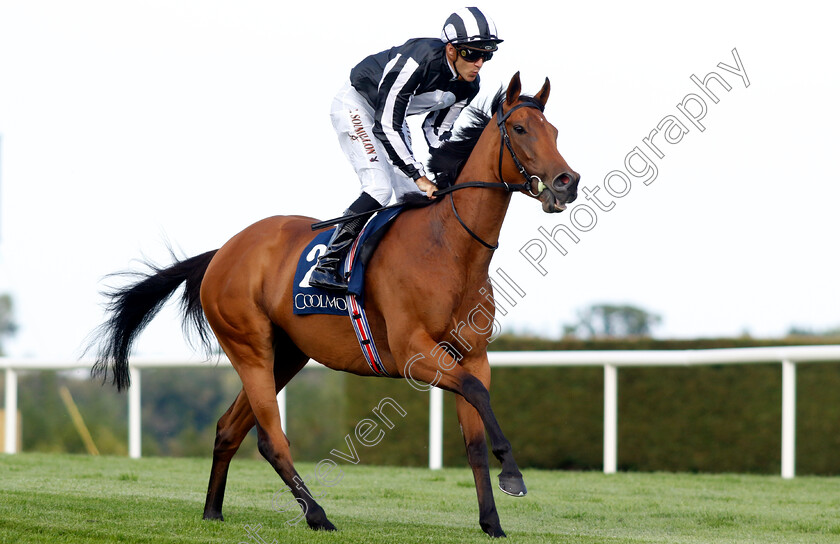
(469, 25)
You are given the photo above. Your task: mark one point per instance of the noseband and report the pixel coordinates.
(510, 187)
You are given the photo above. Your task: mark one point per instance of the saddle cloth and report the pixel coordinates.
(312, 300)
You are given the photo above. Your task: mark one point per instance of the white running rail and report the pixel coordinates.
(611, 361)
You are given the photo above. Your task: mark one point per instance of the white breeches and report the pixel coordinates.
(352, 118)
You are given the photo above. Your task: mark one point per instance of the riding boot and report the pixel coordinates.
(326, 274)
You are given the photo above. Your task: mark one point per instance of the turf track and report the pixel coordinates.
(70, 499)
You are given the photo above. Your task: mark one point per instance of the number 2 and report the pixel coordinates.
(313, 255)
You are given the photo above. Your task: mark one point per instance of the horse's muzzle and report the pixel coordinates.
(561, 191)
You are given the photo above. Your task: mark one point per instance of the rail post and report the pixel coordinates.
(134, 414)
(788, 419)
(11, 411)
(435, 428)
(281, 405)
(610, 419)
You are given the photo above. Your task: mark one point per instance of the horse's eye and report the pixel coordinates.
(518, 129)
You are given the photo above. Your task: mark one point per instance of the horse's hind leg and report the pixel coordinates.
(234, 425)
(250, 350)
(230, 431)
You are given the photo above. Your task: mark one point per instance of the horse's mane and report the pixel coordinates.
(446, 161)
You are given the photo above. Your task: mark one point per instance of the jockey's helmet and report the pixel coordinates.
(469, 26)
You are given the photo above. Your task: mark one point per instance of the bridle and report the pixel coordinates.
(509, 187)
(500, 121)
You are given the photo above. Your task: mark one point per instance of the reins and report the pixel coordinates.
(509, 187)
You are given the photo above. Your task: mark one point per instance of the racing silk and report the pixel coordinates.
(410, 79)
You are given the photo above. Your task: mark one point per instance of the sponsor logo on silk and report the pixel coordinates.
(362, 135)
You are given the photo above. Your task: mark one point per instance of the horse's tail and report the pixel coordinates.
(131, 308)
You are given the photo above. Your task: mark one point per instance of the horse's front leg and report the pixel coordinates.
(510, 479)
(473, 430)
(423, 367)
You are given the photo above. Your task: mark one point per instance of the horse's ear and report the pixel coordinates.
(542, 96)
(513, 90)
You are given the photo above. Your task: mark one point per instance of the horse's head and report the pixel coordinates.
(533, 144)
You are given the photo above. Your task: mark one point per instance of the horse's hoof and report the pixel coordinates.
(512, 485)
(495, 532)
(214, 516)
(324, 525)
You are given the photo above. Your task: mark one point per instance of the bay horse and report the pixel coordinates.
(425, 277)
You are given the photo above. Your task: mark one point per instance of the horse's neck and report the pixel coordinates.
(481, 209)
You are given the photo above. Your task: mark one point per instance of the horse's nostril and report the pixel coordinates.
(561, 181)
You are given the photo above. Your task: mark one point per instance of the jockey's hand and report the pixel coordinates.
(426, 186)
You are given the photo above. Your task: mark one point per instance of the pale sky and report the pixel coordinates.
(128, 124)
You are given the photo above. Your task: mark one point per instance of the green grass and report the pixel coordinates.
(72, 499)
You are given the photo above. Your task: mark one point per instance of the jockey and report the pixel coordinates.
(436, 77)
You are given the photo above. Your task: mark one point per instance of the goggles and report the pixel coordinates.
(471, 54)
